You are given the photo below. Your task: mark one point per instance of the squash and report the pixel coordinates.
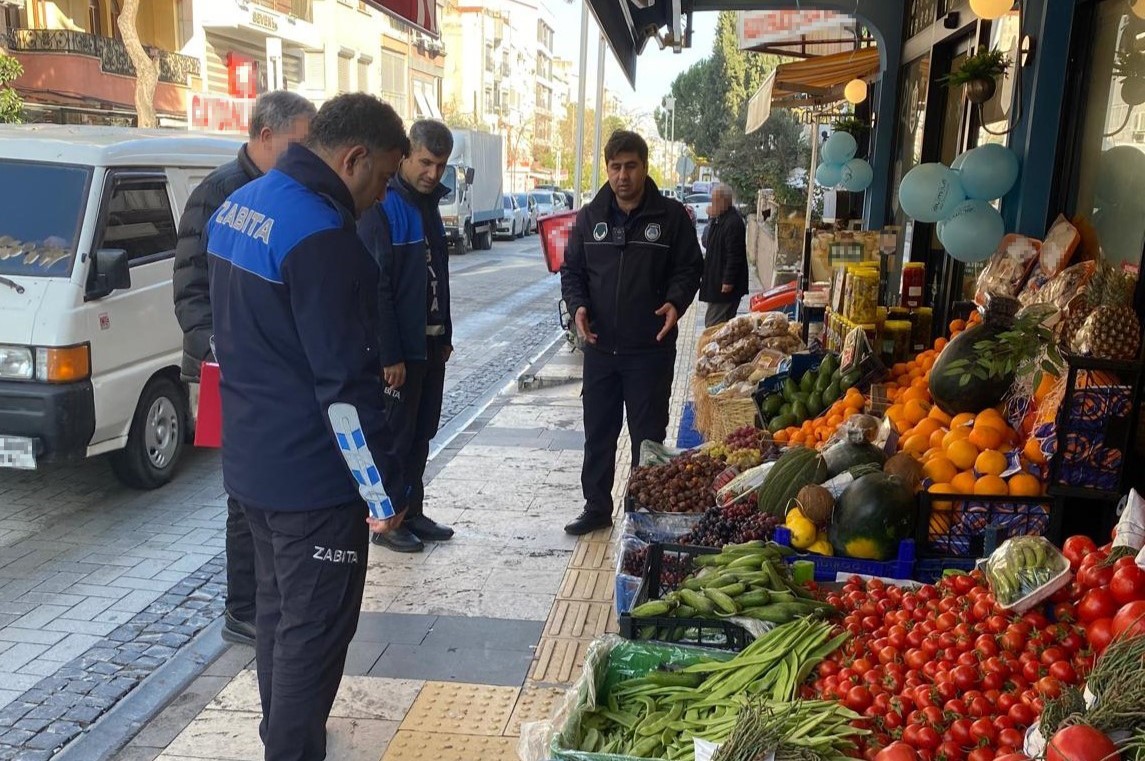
(872, 516)
(854, 450)
(796, 468)
(957, 390)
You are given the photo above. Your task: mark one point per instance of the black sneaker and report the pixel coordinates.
(399, 540)
(427, 529)
(587, 522)
(237, 632)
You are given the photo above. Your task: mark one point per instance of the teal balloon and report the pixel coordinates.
(930, 192)
(828, 175)
(839, 148)
(988, 171)
(857, 175)
(973, 232)
(957, 163)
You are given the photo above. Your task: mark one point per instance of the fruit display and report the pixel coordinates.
(734, 524)
(673, 570)
(796, 402)
(683, 485)
(871, 517)
(1103, 323)
(1024, 569)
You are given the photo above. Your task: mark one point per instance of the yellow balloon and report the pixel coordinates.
(991, 9)
(856, 90)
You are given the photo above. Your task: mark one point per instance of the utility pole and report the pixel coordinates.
(579, 172)
(598, 146)
(674, 169)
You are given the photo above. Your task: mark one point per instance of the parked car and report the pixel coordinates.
(698, 203)
(89, 345)
(512, 224)
(531, 214)
(670, 193)
(549, 202)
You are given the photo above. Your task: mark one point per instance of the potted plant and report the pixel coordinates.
(979, 75)
(1130, 67)
(856, 128)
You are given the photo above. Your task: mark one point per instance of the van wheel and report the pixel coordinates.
(485, 239)
(155, 441)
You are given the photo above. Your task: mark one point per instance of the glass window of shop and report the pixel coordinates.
(911, 123)
(1110, 142)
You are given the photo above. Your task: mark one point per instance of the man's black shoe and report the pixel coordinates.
(427, 529)
(587, 522)
(399, 540)
(237, 632)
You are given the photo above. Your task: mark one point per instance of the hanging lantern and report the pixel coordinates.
(991, 10)
(856, 90)
(1138, 8)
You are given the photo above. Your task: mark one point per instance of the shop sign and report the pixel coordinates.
(263, 20)
(219, 113)
(758, 28)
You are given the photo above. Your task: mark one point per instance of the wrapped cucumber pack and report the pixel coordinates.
(1024, 571)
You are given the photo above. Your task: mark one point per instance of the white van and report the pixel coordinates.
(89, 344)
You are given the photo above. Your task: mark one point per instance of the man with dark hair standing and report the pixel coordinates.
(279, 119)
(407, 238)
(725, 261)
(632, 267)
(307, 453)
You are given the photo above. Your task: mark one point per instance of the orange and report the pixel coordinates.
(963, 454)
(1045, 386)
(927, 426)
(937, 437)
(940, 343)
(899, 368)
(1025, 485)
(991, 485)
(912, 393)
(1033, 452)
(915, 445)
(940, 470)
(955, 434)
(963, 483)
(987, 437)
(931, 454)
(991, 462)
(961, 419)
(944, 505)
(834, 420)
(957, 325)
(902, 427)
(916, 410)
(936, 413)
(991, 416)
(781, 437)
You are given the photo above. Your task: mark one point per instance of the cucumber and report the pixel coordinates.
(790, 388)
(771, 405)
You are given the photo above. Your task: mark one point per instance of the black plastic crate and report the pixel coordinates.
(714, 633)
(930, 570)
(972, 522)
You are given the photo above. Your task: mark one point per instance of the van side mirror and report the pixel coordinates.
(469, 175)
(110, 272)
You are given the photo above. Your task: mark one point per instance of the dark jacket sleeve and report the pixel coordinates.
(574, 271)
(687, 264)
(189, 279)
(735, 257)
(374, 230)
(446, 301)
(337, 325)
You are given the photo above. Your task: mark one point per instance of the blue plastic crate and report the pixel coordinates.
(689, 437)
(827, 567)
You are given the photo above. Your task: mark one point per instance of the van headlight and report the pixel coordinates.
(16, 363)
(50, 364)
(449, 220)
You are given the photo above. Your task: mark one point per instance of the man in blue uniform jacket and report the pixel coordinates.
(306, 449)
(406, 236)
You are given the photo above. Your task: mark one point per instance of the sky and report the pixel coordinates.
(655, 68)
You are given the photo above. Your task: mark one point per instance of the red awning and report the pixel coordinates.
(421, 13)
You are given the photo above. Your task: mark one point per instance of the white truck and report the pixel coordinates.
(474, 205)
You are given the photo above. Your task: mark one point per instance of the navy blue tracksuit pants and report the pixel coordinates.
(636, 386)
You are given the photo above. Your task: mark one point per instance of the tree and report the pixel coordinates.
(146, 68)
(764, 159)
(566, 137)
(456, 118)
(11, 104)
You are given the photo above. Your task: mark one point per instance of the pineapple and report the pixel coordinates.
(1104, 324)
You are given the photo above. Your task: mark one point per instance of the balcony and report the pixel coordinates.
(300, 9)
(174, 68)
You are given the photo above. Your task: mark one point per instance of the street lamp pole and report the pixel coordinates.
(579, 171)
(598, 147)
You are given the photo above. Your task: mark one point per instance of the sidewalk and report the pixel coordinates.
(459, 645)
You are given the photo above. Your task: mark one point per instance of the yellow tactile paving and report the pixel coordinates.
(590, 586)
(463, 709)
(576, 619)
(558, 661)
(593, 556)
(439, 746)
(536, 703)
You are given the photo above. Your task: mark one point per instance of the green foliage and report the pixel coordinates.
(1026, 350)
(986, 64)
(458, 119)
(566, 138)
(11, 105)
(765, 158)
(856, 128)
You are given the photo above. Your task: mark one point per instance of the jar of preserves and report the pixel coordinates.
(913, 285)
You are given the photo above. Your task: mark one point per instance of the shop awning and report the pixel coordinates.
(421, 13)
(626, 27)
(426, 108)
(815, 81)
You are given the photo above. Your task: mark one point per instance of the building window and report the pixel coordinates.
(364, 74)
(1109, 165)
(344, 62)
(94, 18)
(488, 106)
(315, 70)
(921, 14)
(394, 82)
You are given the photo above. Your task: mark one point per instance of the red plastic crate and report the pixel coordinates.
(555, 229)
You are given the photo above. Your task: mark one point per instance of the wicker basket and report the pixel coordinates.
(703, 400)
(726, 416)
(705, 339)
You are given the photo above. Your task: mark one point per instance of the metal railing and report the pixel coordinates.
(174, 68)
(302, 9)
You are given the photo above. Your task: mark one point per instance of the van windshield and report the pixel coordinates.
(41, 210)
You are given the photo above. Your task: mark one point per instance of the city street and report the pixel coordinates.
(100, 585)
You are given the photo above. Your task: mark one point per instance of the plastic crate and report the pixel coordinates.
(961, 531)
(688, 437)
(827, 568)
(930, 570)
(714, 633)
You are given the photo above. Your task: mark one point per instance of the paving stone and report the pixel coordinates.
(497, 667)
(483, 633)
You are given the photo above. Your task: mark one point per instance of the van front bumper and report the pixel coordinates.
(58, 418)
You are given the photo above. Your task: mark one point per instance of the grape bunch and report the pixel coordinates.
(743, 459)
(733, 524)
(682, 485)
(673, 569)
(748, 437)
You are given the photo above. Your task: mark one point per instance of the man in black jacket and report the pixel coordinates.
(725, 261)
(632, 267)
(279, 119)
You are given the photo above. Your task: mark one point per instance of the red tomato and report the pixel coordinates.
(1077, 547)
(1065, 611)
(1048, 687)
(1016, 756)
(984, 753)
(1052, 655)
(928, 738)
(1097, 603)
(1099, 633)
(1128, 583)
(1080, 743)
(858, 699)
(960, 732)
(1011, 738)
(950, 751)
(965, 677)
(1095, 576)
(1063, 672)
(983, 730)
(1022, 714)
(897, 751)
(1130, 620)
